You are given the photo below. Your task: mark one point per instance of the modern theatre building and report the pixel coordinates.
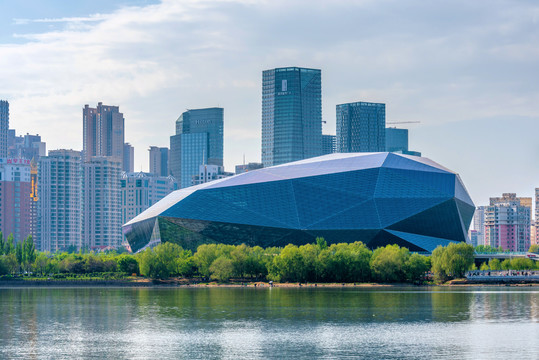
(377, 198)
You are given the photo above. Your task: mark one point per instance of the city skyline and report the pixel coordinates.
(464, 70)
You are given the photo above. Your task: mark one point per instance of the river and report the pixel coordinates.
(264, 323)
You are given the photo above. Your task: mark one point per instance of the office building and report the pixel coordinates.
(198, 141)
(507, 223)
(377, 198)
(34, 198)
(207, 173)
(159, 160)
(4, 127)
(59, 204)
(101, 203)
(103, 132)
(15, 214)
(26, 147)
(361, 127)
(479, 224)
(291, 115)
(128, 163)
(329, 144)
(396, 140)
(240, 169)
(141, 190)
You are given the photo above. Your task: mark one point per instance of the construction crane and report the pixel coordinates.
(402, 122)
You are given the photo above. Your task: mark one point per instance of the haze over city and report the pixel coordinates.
(466, 71)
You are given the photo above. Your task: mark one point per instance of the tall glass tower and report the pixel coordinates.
(291, 115)
(198, 141)
(4, 126)
(361, 127)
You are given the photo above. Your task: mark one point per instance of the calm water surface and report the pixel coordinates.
(248, 323)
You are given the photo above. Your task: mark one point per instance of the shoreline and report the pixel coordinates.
(148, 283)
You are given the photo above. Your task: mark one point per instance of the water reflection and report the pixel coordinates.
(268, 323)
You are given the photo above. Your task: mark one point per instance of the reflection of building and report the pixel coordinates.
(240, 169)
(101, 202)
(159, 160)
(377, 198)
(291, 115)
(361, 127)
(207, 173)
(15, 201)
(198, 141)
(507, 222)
(103, 132)
(142, 190)
(329, 144)
(59, 205)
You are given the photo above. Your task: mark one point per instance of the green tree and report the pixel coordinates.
(522, 264)
(288, 265)
(506, 264)
(19, 254)
(10, 263)
(9, 247)
(484, 266)
(388, 263)
(415, 267)
(128, 264)
(321, 242)
(204, 257)
(494, 264)
(222, 269)
(2, 244)
(534, 248)
(40, 263)
(452, 261)
(29, 250)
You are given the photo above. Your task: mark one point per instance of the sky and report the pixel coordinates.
(466, 70)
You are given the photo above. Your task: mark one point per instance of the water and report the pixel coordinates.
(248, 323)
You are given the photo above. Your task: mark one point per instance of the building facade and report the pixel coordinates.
(159, 160)
(329, 144)
(128, 163)
(4, 127)
(26, 147)
(198, 141)
(291, 115)
(207, 173)
(396, 140)
(15, 201)
(507, 223)
(103, 132)
(479, 224)
(59, 204)
(101, 203)
(142, 190)
(361, 127)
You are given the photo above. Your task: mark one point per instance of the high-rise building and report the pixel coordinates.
(329, 144)
(15, 215)
(4, 127)
(59, 204)
(479, 224)
(361, 127)
(159, 160)
(240, 169)
(291, 115)
(103, 132)
(26, 147)
(207, 173)
(396, 140)
(142, 190)
(34, 198)
(128, 163)
(507, 223)
(536, 215)
(101, 202)
(198, 141)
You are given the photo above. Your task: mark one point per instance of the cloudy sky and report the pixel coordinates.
(467, 70)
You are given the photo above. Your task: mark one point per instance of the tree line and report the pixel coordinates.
(317, 262)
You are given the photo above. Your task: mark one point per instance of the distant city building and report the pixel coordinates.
(361, 127)
(473, 238)
(198, 141)
(291, 115)
(101, 202)
(533, 234)
(507, 223)
(34, 231)
(4, 127)
(329, 144)
(479, 224)
(240, 169)
(207, 173)
(142, 190)
(128, 163)
(26, 147)
(396, 140)
(159, 160)
(103, 132)
(59, 204)
(15, 214)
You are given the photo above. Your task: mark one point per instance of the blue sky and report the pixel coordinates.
(466, 70)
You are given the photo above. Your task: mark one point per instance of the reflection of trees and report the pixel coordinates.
(449, 306)
(507, 305)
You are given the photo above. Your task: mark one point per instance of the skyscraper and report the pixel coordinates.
(396, 140)
(4, 127)
(329, 143)
(198, 141)
(103, 132)
(101, 201)
(159, 160)
(26, 147)
(291, 115)
(59, 204)
(361, 127)
(128, 163)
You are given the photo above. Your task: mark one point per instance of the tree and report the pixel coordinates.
(506, 264)
(416, 266)
(2, 244)
(29, 250)
(222, 269)
(494, 264)
(484, 266)
(321, 242)
(452, 261)
(19, 254)
(388, 263)
(288, 265)
(128, 264)
(204, 257)
(522, 264)
(9, 247)
(534, 248)
(40, 263)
